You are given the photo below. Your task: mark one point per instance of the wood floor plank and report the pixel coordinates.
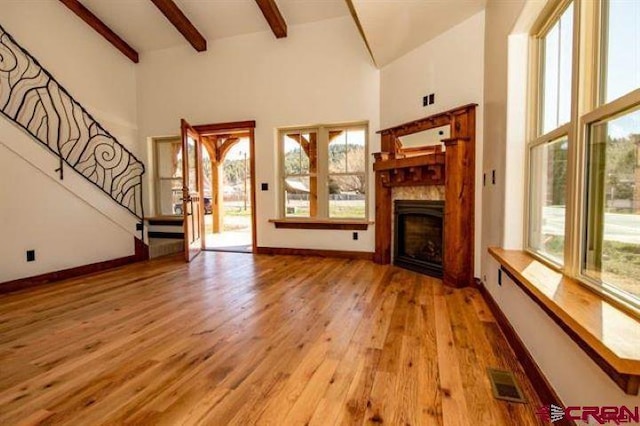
(454, 405)
(242, 339)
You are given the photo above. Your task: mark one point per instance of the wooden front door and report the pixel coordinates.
(192, 208)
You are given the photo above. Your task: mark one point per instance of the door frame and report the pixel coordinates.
(191, 251)
(248, 126)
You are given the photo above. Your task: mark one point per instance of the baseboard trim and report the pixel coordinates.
(141, 254)
(361, 255)
(540, 383)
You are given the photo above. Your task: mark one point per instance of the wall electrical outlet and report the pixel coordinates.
(499, 276)
(429, 99)
(31, 255)
(264, 186)
(355, 235)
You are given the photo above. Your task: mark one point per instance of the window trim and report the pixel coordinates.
(322, 173)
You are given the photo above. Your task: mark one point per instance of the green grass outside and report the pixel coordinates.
(620, 263)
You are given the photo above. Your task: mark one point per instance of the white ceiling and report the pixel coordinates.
(395, 27)
(392, 27)
(145, 28)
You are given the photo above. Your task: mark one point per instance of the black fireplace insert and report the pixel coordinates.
(418, 236)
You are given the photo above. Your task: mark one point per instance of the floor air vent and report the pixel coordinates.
(504, 386)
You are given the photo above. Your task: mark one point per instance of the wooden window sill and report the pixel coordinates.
(609, 335)
(301, 223)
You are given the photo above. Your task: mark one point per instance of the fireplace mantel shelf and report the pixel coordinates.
(425, 169)
(437, 159)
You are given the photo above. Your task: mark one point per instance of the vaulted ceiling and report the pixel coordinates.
(391, 28)
(395, 27)
(143, 26)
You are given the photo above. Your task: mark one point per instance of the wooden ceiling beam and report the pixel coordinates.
(354, 15)
(273, 16)
(94, 22)
(179, 20)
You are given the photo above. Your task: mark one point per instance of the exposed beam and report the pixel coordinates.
(179, 20)
(354, 15)
(94, 22)
(273, 16)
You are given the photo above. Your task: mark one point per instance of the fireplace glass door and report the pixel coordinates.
(419, 244)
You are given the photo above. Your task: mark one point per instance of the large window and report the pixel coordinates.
(549, 146)
(584, 146)
(324, 172)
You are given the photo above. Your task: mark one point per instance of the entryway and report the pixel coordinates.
(229, 225)
(228, 186)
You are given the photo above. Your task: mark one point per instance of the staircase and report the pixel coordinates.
(166, 236)
(34, 101)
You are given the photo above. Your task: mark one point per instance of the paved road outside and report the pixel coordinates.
(620, 227)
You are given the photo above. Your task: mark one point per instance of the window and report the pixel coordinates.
(347, 177)
(300, 178)
(620, 59)
(548, 198)
(612, 249)
(549, 148)
(584, 145)
(168, 171)
(324, 172)
(557, 49)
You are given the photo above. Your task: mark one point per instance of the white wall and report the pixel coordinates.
(321, 73)
(575, 377)
(500, 17)
(37, 213)
(35, 210)
(451, 66)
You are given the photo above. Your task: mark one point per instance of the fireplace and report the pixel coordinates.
(418, 241)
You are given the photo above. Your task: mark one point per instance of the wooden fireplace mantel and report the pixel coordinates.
(454, 168)
(427, 168)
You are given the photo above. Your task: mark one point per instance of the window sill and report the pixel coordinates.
(609, 335)
(345, 225)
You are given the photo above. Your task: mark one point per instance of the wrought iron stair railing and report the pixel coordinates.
(32, 99)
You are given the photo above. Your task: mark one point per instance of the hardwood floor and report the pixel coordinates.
(243, 339)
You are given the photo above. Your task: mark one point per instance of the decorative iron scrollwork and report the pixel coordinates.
(31, 98)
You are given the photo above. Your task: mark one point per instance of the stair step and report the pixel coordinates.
(165, 220)
(164, 247)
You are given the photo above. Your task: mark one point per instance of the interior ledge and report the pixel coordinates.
(608, 334)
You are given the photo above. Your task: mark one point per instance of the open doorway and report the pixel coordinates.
(228, 189)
